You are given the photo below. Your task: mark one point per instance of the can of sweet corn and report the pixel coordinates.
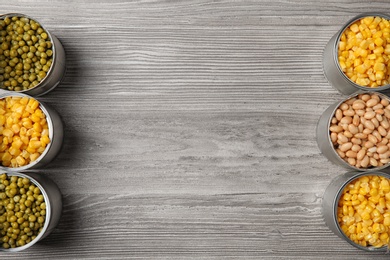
(332, 217)
(33, 135)
(364, 69)
(39, 53)
(354, 138)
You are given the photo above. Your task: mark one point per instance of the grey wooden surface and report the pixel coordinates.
(190, 128)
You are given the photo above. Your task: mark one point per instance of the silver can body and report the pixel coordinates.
(331, 67)
(56, 135)
(330, 201)
(53, 199)
(323, 136)
(57, 69)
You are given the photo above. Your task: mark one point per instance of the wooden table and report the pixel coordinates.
(190, 129)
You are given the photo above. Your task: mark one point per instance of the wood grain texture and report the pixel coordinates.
(190, 128)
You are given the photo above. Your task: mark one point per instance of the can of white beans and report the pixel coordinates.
(355, 132)
(41, 59)
(332, 211)
(345, 79)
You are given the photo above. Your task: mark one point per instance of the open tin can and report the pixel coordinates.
(323, 137)
(56, 71)
(53, 200)
(56, 135)
(332, 70)
(330, 203)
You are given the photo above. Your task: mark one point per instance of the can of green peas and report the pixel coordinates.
(32, 60)
(356, 57)
(354, 219)
(32, 217)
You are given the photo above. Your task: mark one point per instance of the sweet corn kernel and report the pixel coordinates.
(363, 52)
(6, 156)
(34, 156)
(24, 132)
(45, 139)
(30, 149)
(37, 127)
(20, 160)
(379, 41)
(379, 66)
(364, 211)
(384, 237)
(354, 28)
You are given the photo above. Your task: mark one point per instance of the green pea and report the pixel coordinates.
(32, 77)
(26, 27)
(26, 66)
(34, 38)
(25, 49)
(27, 37)
(43, 44)
(25, 84)
(20, 30)
(13, 53)
(19, 66)
(4, 46)
(34, 25)
(12, 218)
(44, 35)
(14, 83)
(45, 68)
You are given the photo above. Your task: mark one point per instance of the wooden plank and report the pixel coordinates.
(190, 129)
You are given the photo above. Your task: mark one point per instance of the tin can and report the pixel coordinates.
(324, 141)
(57, 69)
(331, 199)
(56, 135)
(53, 200)
(331, 66)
